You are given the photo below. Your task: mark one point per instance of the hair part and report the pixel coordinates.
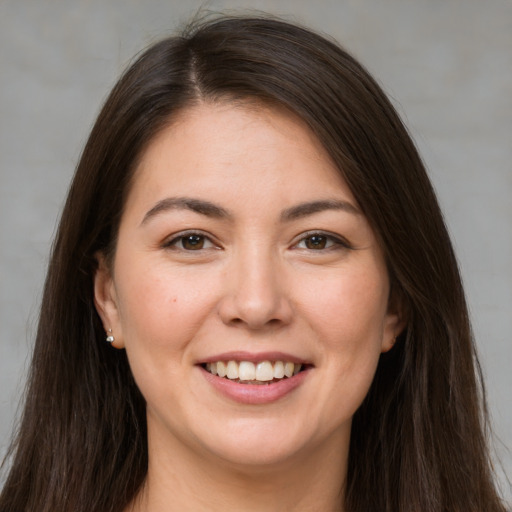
(418, 441)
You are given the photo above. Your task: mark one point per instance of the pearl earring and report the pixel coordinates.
(110, 338)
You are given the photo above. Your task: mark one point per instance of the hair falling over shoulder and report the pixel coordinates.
(419, 440)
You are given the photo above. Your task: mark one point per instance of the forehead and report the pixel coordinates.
(237, 148)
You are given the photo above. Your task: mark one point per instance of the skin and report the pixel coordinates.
(258, 283)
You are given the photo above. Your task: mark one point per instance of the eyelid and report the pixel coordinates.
(173, 239)
(338, 240)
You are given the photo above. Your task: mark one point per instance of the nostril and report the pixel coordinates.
(255, 304)
(254, 323)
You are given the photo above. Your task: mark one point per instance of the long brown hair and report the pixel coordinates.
(418, 441)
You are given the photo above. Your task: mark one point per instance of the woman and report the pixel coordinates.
(252, 302)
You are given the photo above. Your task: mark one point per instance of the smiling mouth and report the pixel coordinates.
(247, 372)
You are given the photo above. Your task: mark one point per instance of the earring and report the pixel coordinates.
(110, 338)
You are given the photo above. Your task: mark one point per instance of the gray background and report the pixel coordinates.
(446, 64)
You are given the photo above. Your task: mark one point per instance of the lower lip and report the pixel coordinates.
(254, 394)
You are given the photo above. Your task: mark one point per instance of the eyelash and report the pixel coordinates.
(336, 242)
(333, 242)
(173, 243)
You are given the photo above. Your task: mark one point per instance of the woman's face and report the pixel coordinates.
(242, 250)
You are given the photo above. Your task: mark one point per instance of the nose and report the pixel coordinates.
(256, 293)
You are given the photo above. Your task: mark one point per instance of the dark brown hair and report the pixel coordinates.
(418, 441)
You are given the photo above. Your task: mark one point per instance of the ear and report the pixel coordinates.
(395, 321)
(105, 300)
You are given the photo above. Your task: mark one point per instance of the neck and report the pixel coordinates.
(178, 480)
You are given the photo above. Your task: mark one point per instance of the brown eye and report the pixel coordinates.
(189, 242)
(315, 242)
(321, 242)
(192, 242)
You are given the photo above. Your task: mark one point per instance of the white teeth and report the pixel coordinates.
(288, 369)
(232, 370)
(278, 370)
(264, 371)
(221, 369)
(247, 371)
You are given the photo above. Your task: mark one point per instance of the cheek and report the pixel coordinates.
(160, 308)
(351, 310)
(348, 317)
(160, 313)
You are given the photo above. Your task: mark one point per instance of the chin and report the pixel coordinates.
(254, 453)
(251, 443)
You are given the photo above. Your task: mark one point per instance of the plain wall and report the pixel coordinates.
(446, 64)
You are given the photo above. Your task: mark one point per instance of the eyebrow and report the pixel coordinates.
(305, 209)
(187, 203)
(212, 210)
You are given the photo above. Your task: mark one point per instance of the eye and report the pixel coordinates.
(320, 241)
(316, 242)
(190, 242)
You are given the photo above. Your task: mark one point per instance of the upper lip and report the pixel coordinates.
(254, 357)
